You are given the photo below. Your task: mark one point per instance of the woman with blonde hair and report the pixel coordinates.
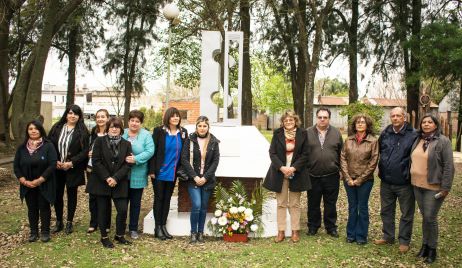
(287, 175)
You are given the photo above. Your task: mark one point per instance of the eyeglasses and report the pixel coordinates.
(323, 117)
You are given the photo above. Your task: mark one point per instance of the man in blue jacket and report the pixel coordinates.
(395, 145)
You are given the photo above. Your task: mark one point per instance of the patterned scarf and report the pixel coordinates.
(290, 134)
(427, 137)
(113, 143)
(360, 137)
(34, 145)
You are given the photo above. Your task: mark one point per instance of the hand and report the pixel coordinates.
(111, 182)
(59, 165)
(351, 183)
(202, 181)
(29, 184)
(197, 180)
(22, 181)
(356, 183)
(130, 159)
(90, 153)
(67, 165)
(286, 171)
(152, 176)
(444, 193)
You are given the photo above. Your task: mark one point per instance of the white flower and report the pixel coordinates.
(248, 212)
(230, 200)
(233, 210)
(235, 225)
(253, 227)
(249, 217)
(214, 220)
(222, 221)
(241, 209)
(218, 213)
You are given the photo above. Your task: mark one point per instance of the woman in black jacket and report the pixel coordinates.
(109, 179)
(34, 165)
(201, 174)
(102, 117)
(287, 175)
(168, 142)
(70, 138)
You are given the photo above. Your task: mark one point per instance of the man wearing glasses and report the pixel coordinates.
(325, 144)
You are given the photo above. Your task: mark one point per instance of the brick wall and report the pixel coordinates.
(191, 106)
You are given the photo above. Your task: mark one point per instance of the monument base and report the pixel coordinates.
(178, 222)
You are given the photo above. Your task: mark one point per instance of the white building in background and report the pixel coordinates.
(91, 100)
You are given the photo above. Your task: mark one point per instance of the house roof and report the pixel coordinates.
(342, 101)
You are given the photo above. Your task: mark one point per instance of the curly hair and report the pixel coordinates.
(369, 123)
(290, 113)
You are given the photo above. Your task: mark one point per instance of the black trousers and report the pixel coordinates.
(104, 214)
(93, 206)
(163, 191)
(71, 200)
(327, 189)
(38, 206)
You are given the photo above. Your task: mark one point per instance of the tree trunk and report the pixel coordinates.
(459, 119)
(246, 69)
(73, 55)
(353, 52)
(413, 85)
(299, 95)
(5, 21)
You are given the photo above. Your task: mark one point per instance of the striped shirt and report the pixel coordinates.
(65, 139)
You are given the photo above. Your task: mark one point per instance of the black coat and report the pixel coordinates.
(158, 135)
(212, 158)
(77, 154)
(41, 163)
(104, 167)
(274, 178)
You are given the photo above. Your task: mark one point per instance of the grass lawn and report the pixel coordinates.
(82, 250)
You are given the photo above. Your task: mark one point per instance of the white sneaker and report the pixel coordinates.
(134, 234)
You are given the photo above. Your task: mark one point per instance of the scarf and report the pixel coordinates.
(290, 134)
(113, 145)
(427, 137)
(33, 145)
(359, 137)
(204, 148)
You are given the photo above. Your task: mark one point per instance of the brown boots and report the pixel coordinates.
(280, 237)
(295, 236)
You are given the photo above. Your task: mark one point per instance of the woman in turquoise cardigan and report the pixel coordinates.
(143, 149)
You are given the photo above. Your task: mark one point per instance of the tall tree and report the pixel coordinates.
(28, 89)
(125, 50)
(246, 70)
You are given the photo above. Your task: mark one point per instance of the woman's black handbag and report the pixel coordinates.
(182, 175)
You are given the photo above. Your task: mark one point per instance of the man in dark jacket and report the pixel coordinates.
(324, 147)
(395, 145)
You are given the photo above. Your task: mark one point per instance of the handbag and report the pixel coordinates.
(181, 173)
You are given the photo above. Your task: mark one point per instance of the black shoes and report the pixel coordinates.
(122, 240)
(166, 234)
(91, 229)
(45, 237)
(423, 252)
(350, 240)
(200, 237)
(312, 231)
(69, 229)
(159, 233)
(193, 238)
(58, 227)
(106, 242)
(33, 237)
(431, 257)
(333, 233)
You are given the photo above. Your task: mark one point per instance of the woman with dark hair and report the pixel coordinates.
(102, 117)
(358, 160)
(168, 139)
(287, 175)
(142, 151)
(34, 165)
(202, 181)
(432, 172)
(109, 179)
(70, 138)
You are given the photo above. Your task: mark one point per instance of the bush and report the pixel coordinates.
(152, 118)
(375, 112)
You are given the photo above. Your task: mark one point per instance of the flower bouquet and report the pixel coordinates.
(235, 215)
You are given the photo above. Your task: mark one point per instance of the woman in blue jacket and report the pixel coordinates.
(169, 139)
(143, 149)
(34, 166)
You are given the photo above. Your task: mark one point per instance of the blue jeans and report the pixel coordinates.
(358, 211)
(200, 202)
(134, 198)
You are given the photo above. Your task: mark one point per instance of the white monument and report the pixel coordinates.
(243, 149)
